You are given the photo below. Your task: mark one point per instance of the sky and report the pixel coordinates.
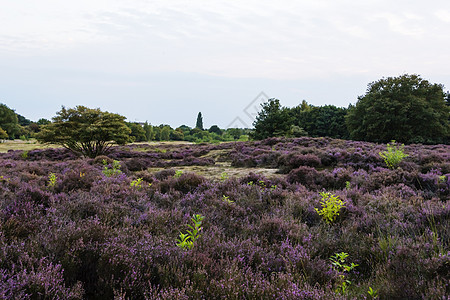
(163, 61)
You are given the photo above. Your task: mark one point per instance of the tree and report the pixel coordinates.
(327, 120)
(9, 121)
(215, 129)
(165, 133)
(199, 123)
(149, 134)
(23, 121)
(85, 131)
(407, 109)
(137, 132)
(43, 121)
(3, 135)
(272, 120)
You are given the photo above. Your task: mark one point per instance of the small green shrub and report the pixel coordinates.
(224, 176)
(372, 293)
(186, 240)
(178, 174)
(331, 205)
(113, 170)
(24, 154)
(394, 155)
(137, 183)
(226, 199)
(339, 265)
(52, 180)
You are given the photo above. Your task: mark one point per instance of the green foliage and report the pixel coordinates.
(52, 180)
(178, 174)
(9, 121)
(24, 154)
(199, 122)
(215, 129)
(111, 170)
(149, 134)
(226, 199)
(186, 240)
(22, 120)
(296, 131)
(137, 132)
(347, 185)
(43, 121)
(224, 176)
(272, 120)
(372, 293)
(317, 121)
(137, 183)
(394, 155)
(3, 134)
(302, 120)
(85, 131)
(331, 205)
(165, 133)
(339, 265)
(407, 108)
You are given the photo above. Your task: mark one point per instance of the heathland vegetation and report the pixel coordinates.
(282, 216)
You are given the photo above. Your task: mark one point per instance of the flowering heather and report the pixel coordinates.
(92, 236)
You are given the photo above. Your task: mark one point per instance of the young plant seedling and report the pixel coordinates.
(394, 155)
(113, 170)
(226, 199)
(186, 240)
(339, 265)
(178, 174)
(331, 205)
(137, 183)
(52, 180)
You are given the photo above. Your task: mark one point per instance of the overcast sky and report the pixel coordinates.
(164, 61)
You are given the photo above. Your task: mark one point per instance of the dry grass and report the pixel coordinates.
(23, 145)
(215, 171)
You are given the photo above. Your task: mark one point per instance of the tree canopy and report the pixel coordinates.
(407, 109)
(199, 123)
(85, 131)
(272, 120)
(9, 121)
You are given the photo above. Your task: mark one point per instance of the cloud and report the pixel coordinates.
(287, 39)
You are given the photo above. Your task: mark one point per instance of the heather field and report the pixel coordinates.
(305, 218)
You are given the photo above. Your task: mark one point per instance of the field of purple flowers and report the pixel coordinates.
(75, 228)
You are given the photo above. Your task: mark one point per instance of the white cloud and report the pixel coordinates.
(285, 39)
(443, 15)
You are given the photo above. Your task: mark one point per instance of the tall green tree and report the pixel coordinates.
(9, 121)
(215, 129)
(137, 132)
(149, 134)
(407, 109)
(272, 120)
(85, 131)
(327, 120)
(23, 121)
(3, 135)
(165, 133)
(199, 123)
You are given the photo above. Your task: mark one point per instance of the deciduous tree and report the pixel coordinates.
(407, 109)
(85, 131)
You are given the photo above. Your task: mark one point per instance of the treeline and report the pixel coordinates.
(301, 120)
(407, 109)
(146, 133)
(13, 125)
